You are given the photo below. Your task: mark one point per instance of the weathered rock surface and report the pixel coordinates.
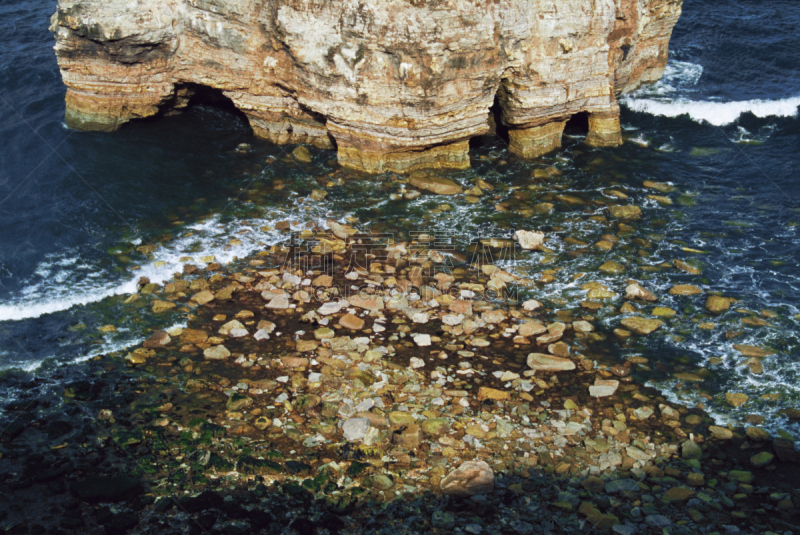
(472, 477)
(397, 85)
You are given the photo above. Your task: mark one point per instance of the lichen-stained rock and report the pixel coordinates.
(397, 85)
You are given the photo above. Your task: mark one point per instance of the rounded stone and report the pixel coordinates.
(761, 459)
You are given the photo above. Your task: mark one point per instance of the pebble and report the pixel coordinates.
(422, 340)
(542, 362)
(219, 352)
(355, 428)
(720, 433)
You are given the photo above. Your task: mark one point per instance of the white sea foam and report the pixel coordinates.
(679, 76)
(672, 96)
(68, 281)
(714, 113)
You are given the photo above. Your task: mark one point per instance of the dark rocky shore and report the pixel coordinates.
(375, 387)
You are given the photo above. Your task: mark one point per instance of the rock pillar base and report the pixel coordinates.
(536, 141)
(604, 130)
(448, 156)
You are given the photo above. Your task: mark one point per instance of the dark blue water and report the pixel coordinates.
(76, 208)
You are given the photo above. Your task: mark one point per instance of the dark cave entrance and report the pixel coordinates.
(577, 125)
(496, 127)
(190, 95)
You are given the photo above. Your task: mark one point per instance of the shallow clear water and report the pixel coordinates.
(722, 127)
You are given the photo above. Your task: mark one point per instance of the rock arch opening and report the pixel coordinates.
(577, 125)
(189, 95)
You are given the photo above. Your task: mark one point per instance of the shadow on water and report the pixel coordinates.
(84, 451)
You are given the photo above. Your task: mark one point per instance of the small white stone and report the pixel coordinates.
(417, 363)
(294, 280)
(365, 405)
(531, 304)
(278, 301)
(355, 428)
(529, 239)
(238, 333)
(421, 340)
(420, 317)
(452, 319)
(332, 307)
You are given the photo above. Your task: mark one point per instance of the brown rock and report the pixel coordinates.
(304, 346)
(158, 339)
(753, 351)
(626, 212)
(351, 321)
(193, 336)
(549, 363)
(203, 297)
(407, 436)
(469, 479)
(438, 185)
(717, 304)
(720, 433)
(162, 306)
(294, 362)
(531, 328)
(461, 306)
(685, 289)
(311, 77)
(736, 399)
(485, 393)
(367, 302)
(323, 280)
(677, 494)
(641, 325)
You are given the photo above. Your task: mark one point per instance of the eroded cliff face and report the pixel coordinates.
(396, 85)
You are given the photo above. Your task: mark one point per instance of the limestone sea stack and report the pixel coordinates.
(394, 85)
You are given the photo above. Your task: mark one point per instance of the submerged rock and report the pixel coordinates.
(157, 339)
(717, 304)
(529, 239)
(641, 325)
(472, 477)
(438, 185)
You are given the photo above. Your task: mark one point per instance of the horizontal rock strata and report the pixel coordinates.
(396, 85)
